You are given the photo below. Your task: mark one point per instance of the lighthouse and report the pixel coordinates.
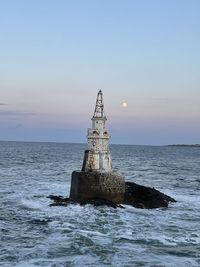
(98, 156)
(97, 180)
(97, 183)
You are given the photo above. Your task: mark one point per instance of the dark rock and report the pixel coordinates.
(62, 201)
(145, 197)
(101, 202)
(59, 200)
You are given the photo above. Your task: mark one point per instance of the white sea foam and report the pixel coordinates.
(31, 204)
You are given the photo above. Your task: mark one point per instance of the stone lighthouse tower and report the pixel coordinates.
(98, 156)
(96, 180)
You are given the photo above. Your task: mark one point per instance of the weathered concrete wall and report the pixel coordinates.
(97, 161)
(99, 143)
(90, 185)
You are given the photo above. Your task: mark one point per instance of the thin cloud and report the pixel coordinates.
(3, 104)
(161, 99)
(16, 113)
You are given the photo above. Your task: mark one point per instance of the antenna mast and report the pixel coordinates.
(99, 108)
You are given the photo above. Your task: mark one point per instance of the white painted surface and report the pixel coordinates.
(99, 156)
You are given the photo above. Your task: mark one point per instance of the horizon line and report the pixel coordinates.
(80, 143)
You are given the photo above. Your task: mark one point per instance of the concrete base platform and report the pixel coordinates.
(100, 185)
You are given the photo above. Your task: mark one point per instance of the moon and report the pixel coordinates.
(124, 104)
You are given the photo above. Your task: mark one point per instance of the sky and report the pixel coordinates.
(56, 54)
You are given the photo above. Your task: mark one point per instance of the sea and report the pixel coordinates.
(34, 234)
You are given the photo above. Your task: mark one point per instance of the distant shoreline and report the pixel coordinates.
(185, 145)
(79, 143)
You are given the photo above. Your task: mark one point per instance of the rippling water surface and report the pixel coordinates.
(34, 234)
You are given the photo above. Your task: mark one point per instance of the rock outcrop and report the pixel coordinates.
(138, 196)
(62, 201)
(145, 197)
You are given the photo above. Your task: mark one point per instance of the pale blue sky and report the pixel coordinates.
(56, 54)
